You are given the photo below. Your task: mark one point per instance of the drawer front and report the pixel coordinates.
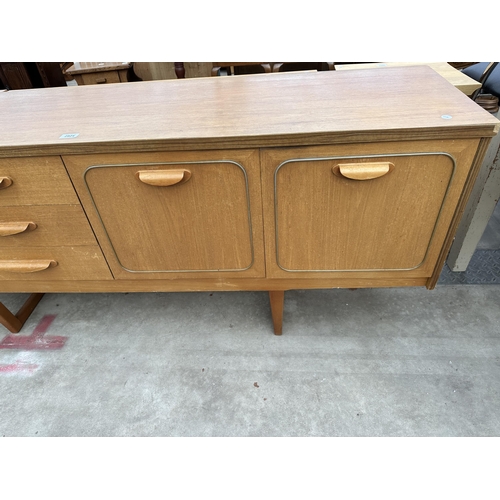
(53, 263)
(44, 225)
(371, 209)
(35, 181)
(206, 222)
(101, 77)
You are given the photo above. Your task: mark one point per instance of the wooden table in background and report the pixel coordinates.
(91, 73)
(460, 80)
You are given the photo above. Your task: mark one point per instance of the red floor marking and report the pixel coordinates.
(17, 367)
(36, 341)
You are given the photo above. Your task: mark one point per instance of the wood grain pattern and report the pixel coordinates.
(199, 228)
(148, 71)
(98, 78)
(24, 266)
(73, 263)
(56, 225)
(362, 171)
(206, 284)
(460, 80)
(14, 322)
(460, 207)
(329, 225)
(276, 109)
(383, 225)
(277, 300)
(164, 178)
(17, 227)
(80, 68)
(36, 181)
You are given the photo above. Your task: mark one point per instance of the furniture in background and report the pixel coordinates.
(147, 71)
(244, 68)
(311, 190)
(92, 73)
(29, 75)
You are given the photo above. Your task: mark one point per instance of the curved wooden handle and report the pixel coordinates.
(163, 177)
(5, 182)
(10, 228)
(362, 171)
(101, 80)
(26, 266)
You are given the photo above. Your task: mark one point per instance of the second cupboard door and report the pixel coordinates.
(161, 215)
(377, 210)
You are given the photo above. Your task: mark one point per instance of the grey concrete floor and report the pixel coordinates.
(372, 362)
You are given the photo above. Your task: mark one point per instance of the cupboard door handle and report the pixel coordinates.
(26, 266)
(101, 80)
(163, 177)
(10, 228)
(362, 171)
(5, 182)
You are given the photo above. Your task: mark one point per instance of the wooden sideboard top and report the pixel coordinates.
(240, 112)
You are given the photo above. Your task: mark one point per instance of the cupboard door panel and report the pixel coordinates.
(370, 209)
(189, 214)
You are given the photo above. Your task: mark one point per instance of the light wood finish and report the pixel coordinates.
(98, 78)
(80, 68)
(25, 266)
(362, 171)
(211, 284)
(236, 136)
(73, 263)
(445, 249)
(92, 73)
(166, 70)
(36, 181)
(480, 207)
(55, 225)
(163, 177)
(12, 228)
(392, 226)
(460, 80)
(221, 113)
(14, 322)
(5, 182)
(277, 300)
(204, 227)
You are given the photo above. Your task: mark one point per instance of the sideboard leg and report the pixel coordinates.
(14, 323)
(277, 299)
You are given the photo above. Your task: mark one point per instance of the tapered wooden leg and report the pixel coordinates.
(14, 323)
(277, 299)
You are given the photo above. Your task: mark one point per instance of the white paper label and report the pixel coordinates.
(68, 136)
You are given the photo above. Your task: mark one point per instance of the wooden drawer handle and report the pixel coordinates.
(26, 266)
(10, 228)
(163, 177)
(362, 171)
(101, 80)
(5, 182)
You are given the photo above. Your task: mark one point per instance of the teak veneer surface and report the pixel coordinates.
(257, 110)
(263, 205)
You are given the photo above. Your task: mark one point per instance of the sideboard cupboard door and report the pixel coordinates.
(165, 215)
(373, 210)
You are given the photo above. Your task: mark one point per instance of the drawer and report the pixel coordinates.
(368, 209)
(152, 225)
(53, 263)
(35, 181)
(100, 77)
(44, 225)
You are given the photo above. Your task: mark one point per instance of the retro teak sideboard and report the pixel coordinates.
(266, 182)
